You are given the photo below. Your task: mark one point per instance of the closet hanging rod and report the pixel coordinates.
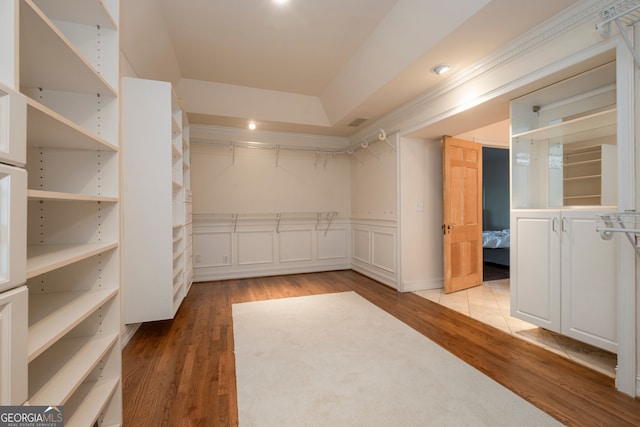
(278, 217)
(379, 136)
(270, 146)
(267, 215)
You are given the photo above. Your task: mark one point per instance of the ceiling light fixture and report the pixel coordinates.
(442, 69)
(280, 1)
(252, 125)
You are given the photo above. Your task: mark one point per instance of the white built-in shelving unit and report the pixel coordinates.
(156, 169)
(188, 205)
(68, 70)
(563, 177)
(552, 130)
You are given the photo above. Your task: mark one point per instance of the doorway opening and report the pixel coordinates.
(495, 213)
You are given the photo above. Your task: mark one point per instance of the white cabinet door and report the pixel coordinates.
(13, 226)
(588, 281)
(13, 346)
(13, 127)
(535, 267)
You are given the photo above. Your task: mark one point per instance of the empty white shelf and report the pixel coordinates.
(87, 12)
(50, 129)
(89, 401)
(77, 358)
(44, 258)
(58, 313)
(583, 128)
(42, 45)
(70, 197)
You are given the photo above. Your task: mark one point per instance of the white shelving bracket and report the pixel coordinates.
(382, 136)
(627, 222)
(234, 218)
(353, 153)
(365, 144)
(624, 13)
(331, 215)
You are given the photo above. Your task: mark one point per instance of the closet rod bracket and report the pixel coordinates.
(627, 222)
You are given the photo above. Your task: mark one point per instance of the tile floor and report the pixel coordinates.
(490, 303)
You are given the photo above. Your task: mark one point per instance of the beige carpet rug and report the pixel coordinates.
(338, 360)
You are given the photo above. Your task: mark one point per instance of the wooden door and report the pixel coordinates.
(462, 216)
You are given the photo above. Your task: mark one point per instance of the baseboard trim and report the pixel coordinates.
(372, 274)
(422, 285)
(127, 333)
(204, 276)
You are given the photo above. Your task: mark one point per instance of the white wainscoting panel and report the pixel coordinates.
(213, 248)
(255, 247)
(362, 245)
(334, 244)
(296, 245)
(384, 250)
(375, 250)
(227, 250)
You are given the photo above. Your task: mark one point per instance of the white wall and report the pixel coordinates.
(374, 212)
(247, 182)
(493, 135)
(253, 183)
(421, 214)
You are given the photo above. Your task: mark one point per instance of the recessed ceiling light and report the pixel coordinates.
(252, 125)
(441, 69)
(280, 1)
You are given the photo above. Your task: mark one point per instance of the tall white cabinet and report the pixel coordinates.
(563, 176)
(188, 204)
(13, 228)
(63, 56)
(157, 267)
(564, 275)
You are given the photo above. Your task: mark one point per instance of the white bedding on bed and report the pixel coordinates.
(496, 239)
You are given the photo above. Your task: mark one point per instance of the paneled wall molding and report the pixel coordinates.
(374, 247)
(580, 18)
(375, 222)
(224, 250)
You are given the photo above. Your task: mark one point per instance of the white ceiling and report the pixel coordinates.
(313, 66)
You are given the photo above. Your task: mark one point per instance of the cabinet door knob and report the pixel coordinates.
(554, 224)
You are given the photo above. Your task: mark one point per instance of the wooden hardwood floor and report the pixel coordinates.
(182, 372)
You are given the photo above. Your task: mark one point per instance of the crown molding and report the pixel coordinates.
(563, 23)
